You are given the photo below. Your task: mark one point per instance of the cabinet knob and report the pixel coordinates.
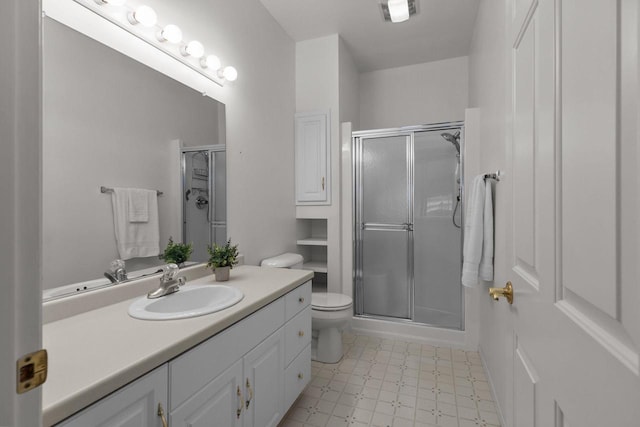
(300, 333)
(300, 376)
(301, 300)
(323, 183)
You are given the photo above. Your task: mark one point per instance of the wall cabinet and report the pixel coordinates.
(246, 376)
(313, 180)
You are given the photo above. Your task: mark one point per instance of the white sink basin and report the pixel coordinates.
(189, 301)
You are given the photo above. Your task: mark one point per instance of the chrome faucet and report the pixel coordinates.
(117, 272)
(169, 283)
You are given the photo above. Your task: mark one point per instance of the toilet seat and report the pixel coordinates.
(329, 301)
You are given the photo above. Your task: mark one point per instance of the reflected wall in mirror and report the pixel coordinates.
(110, 121)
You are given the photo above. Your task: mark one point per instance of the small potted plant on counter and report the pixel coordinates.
(222, 259)
(176, 253)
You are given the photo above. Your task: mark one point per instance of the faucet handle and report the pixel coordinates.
(169, 272)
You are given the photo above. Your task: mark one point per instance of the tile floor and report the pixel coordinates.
(383, 382)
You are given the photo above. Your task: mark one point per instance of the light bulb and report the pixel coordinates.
(143, 15)
(111, 2)
(171, 33)
(398, 10)
(211, 62)
(229, 73)
(193, 48)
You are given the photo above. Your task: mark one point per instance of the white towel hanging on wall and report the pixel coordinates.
(478, 234)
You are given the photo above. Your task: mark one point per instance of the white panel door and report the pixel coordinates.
(574, 240)
(263, 382)
(220, 402)
(312, 159)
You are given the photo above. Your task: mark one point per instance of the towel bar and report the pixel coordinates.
(104, 189)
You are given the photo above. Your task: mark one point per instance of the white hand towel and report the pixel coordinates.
(478, 234)
(135, 239)
(486, 262)
(138, 204)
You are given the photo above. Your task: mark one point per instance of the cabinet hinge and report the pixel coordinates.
(31, 371)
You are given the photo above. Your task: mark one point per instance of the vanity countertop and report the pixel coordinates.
(92, 354)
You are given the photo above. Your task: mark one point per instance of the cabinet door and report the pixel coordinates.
(135, 405)
(312, 159)
(220, 402)
(263, 382)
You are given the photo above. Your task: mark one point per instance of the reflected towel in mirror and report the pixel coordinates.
(135, 239)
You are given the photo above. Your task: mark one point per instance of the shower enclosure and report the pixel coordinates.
(408, 224)
(204, 198)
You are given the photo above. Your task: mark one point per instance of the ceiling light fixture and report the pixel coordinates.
(191, 54)
(143, 15)
(193, 48)
(397, 11)
(170, 33)
(211, 62)
(229, 73)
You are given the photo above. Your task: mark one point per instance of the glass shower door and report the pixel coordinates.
(384, 227)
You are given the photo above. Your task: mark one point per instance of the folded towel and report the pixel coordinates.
(138, 204)
(478, 234)
(135, 239)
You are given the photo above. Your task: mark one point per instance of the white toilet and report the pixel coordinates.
(330, 314)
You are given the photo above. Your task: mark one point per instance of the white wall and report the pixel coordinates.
(488, 90)
(348, 87)
(259, 111)
(432, 92)
(317, 88)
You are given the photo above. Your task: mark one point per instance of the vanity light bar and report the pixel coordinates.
(142, 22)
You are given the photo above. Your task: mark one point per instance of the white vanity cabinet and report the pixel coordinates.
(135, 405)
(271, 367)
(245, 376)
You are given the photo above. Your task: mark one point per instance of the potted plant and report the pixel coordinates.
(177, 253)
(222, 259)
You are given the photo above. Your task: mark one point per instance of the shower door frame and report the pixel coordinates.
(211, 223)
(357, 211)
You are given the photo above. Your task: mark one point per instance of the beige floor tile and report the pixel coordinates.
(383, 382)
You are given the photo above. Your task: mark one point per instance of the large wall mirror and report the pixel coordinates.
(112, 121)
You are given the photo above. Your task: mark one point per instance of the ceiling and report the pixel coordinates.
(441, 29)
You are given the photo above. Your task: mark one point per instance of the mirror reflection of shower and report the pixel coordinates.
(204, 198)
(455, 140)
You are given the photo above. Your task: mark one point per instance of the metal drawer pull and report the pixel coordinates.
(250, 393)
(300, 333)
(240, 403)
(161, 415)
(300, 376)
(301, 300)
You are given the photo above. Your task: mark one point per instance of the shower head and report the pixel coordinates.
(454, 139)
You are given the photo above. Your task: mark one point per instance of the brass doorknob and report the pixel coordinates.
(506, 292)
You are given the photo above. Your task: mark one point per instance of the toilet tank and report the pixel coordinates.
(288, 260)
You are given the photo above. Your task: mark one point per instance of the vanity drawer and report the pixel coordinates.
(297, 334)
(297, 299)
(198, 366)
(297, 376)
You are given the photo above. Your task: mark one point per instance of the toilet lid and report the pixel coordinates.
(327, 301)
